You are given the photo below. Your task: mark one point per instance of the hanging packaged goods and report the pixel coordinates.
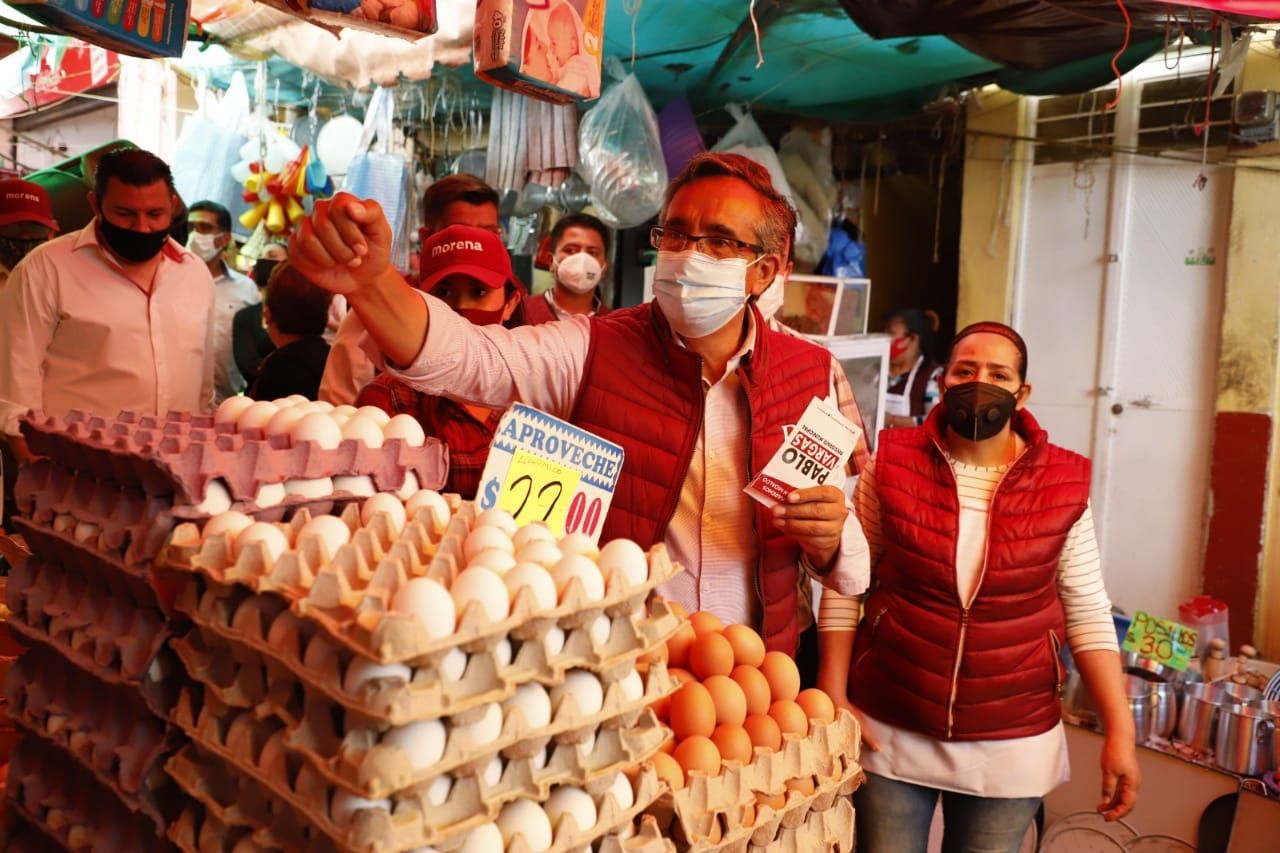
(547, 49)
(135, 27)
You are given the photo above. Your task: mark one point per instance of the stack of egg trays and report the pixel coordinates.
(180, 453)
(721, 813)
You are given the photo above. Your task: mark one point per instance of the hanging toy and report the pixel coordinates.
(280, 180)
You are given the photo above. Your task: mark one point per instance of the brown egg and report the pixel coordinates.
(730, 701)
(733, 743)
(783, 677)
(669, 771)
(749, 815)
(662, 709)
(711, 655)
(777, 801)
(706, 623)
(668, 745)
(817, 705)
(678, 645)
(755, 687)
(657, 654)
(804, 785)
(790, 717)
(748, 648)
(692, 711)
(698, 754)
(680, 676)
(763, 731)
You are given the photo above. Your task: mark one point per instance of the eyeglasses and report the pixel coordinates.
(670, 240)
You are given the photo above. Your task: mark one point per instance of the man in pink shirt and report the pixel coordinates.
(113, 316)
(694, 386)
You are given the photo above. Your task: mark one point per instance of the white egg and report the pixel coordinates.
(230, 523)
(526, 819)
(360, 486)
(545, 554)
(345, 805)
(231, 408)
(553, 641)
(256, 415)
(363, 429)
(407, 429)
(539, 759)
(568, 801)
(269, 495)
(492, 774)
(502, 653)
(599, 630)
(587, 745)
(385, 503)
(312, 489)
(373, 413)
(408, 487)
(85, 531)
(579, 543)
(535, 532)
(495, 559)
(322, 406)
(484, 731)
(317, 427)
(345, 409)
(485, 838)
(282, 422)
(580, 567)
(333, 532)
(484, 538)
(216, 498)
(585, 689)
(632, 686)
(483, 587)
(272, 539)
(362, 670)
(340, 420)
(622, 791)
(626, 559)
(296, 400)
(532, 703)
(453, 665)
(438, 791)
(65, 523)
(430, 602)
(431, 500)
(498, 518)
(537, 579)
(421, 742)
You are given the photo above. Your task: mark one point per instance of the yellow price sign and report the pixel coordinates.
(538, 489)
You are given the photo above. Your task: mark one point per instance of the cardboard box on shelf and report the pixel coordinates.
(546, 49)
(143, 28)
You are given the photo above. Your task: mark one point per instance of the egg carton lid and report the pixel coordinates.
(357, 762)
(180, 453)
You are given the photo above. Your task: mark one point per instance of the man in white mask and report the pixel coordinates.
(579, 260)
(209, 227)
(694, 386)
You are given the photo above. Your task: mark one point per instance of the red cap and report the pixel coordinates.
(463, 250)
(23, 201)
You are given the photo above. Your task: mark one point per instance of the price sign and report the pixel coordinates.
(1162, 640)
(543, 469)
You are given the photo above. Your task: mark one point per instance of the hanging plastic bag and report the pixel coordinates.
(380, 175)
(621, 156)
(209, 146)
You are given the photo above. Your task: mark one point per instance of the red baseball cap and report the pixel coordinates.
(463, 250)
(23, 201)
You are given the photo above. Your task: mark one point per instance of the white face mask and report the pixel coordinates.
(579, 273)
(203, 246)
(770, 301)
(699, 294)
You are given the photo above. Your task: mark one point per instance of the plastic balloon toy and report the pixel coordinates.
(279, 179)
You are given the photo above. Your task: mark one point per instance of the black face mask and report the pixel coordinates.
(134, 246)
(14, 249)
(977, 410)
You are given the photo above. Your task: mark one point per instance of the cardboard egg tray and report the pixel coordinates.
(237, 677)
(263, 624)
(349, 596)
(258, 749)
(830, 829)
(643, 837)
(181, 452)
(708, 804)
(197, 831)
(50, 790)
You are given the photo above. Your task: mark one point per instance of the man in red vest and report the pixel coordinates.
(694, 386)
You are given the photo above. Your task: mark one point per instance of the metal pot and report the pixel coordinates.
(1165, 718)
(1273, 709)
(1246, 740)
(1156, 670)
(1142, 704)
(1233, 694)
(1198, 720)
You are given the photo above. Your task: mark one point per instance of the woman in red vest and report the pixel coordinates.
(984, 563)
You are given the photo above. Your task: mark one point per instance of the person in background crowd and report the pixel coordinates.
(984, 562)
(113, 316)
(26, 221)
(913, 374)
(455, 200)
(210, 225)
(468, 270)
(296, 311)
(250, 343)
(580, 259)
(692, 385)
(180, 230)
